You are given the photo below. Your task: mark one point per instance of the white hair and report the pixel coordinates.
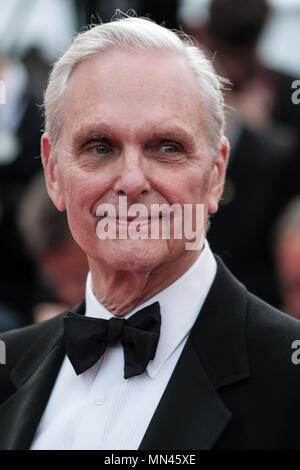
(136, 34)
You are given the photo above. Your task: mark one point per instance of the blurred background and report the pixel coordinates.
(257, 229)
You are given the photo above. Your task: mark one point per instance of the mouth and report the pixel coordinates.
(124, 219)
(130, 218)
(133, 221)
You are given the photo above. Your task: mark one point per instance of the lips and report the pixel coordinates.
(129, 218)
(131, 221)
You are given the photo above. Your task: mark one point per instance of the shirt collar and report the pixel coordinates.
(180, 304)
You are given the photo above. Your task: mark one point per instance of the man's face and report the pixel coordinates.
(132, 126)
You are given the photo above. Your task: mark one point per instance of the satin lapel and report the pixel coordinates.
(33, 378)
(24, 409)
(191, 414)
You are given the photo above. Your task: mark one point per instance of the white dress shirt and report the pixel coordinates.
(99, 409)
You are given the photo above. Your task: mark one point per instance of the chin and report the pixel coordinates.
(135, 255)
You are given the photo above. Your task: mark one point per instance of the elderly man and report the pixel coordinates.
(168, 350)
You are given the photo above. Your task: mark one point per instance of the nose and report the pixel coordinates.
(132, 181)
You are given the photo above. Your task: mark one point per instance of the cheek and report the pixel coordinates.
(186, 185)
(78, 200)
(195, 187)
(79, 189)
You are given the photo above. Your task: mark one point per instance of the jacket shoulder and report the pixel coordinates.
(262, 315)
(273, 339)
(19, 341)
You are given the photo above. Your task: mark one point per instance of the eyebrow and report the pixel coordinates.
(85, 133)
(174, 133)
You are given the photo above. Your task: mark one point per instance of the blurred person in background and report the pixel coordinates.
(231, 32)
(287, 256)
(263, 130)
(32, 35)
(20, 125)
(262, 177)
(60, 261)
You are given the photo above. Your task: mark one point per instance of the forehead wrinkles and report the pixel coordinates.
(133, 72)
(102, 81)
(136, 132)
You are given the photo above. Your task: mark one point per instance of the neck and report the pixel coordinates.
(120, 291)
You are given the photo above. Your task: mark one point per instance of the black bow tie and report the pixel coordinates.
(86, 339)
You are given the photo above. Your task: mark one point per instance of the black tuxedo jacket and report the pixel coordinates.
(234, 386)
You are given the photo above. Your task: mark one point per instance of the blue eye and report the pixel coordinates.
(102, 149)
(169, 148)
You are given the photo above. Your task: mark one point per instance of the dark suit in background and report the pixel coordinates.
(262, 177)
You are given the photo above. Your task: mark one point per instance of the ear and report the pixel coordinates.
(218, 177)
(50, 170)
